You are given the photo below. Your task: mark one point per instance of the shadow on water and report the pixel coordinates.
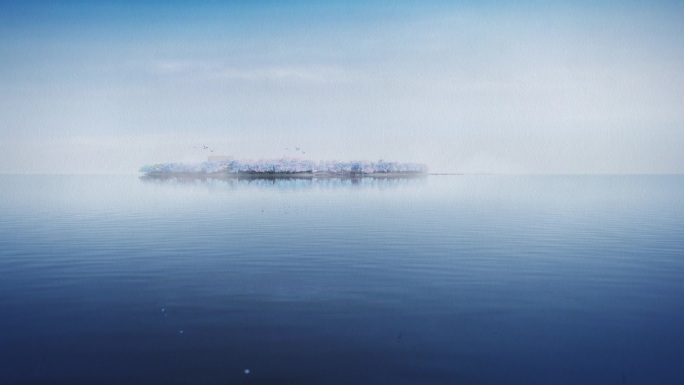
(288, 181)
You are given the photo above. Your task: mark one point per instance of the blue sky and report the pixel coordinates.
(543, 87)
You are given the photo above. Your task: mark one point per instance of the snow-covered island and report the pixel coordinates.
(285, 167)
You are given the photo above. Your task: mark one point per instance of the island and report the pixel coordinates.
(285, 167)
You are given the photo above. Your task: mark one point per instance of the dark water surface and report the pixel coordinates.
(436, 280)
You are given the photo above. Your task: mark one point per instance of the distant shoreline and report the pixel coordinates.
(281, 175)
(286, 168)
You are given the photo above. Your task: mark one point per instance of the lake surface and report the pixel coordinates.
(435, 280)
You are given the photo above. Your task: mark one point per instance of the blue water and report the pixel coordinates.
(435, 280)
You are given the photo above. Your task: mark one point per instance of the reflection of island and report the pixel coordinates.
(286, 181)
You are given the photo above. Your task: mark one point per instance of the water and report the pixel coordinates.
(436, 280)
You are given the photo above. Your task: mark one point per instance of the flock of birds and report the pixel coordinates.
(296, 149)
(204, 147)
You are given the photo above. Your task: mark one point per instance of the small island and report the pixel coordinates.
(285, 167)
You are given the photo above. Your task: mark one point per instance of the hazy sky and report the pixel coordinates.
(544, 87)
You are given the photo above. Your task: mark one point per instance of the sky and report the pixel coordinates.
(464, 87)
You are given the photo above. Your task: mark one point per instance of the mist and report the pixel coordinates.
(484, 88)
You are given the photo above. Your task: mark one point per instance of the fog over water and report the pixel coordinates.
(105, 87)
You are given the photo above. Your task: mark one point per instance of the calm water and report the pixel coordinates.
(436, 280)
